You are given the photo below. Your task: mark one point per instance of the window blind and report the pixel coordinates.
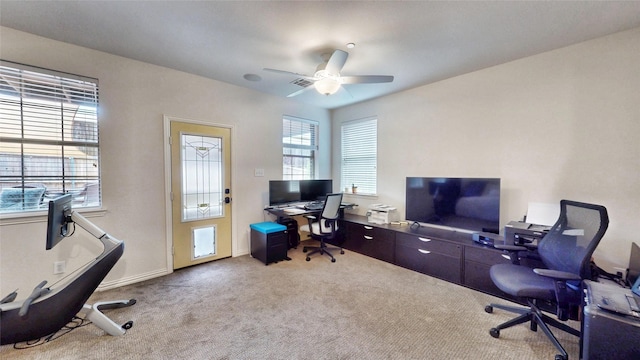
(48, 138)
(359, 155)
(299, 146)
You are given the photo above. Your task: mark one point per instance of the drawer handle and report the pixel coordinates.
(368, 237)
(424, 239)
(424, 251)
(368, 227)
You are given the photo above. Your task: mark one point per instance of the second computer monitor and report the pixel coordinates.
(315, 190)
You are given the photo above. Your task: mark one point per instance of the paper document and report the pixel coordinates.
(543, 214)
(294, 211)
(573, 232)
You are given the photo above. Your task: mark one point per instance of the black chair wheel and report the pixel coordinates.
(561, 357)
(341, 251)
(128, 325)
(488, 309)
(308, 258)
(333, 260)
(305, 249)
(494, 332)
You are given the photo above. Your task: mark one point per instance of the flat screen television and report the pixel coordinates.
(315, 190)
(471, 204)
(58, 220)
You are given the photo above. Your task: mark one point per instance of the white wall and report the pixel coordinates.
(561, 125)
(134, 96)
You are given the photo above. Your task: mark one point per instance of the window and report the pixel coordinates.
(48, 138)
(359, 155)
(299, 146)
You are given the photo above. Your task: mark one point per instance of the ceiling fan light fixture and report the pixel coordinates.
(327, 86)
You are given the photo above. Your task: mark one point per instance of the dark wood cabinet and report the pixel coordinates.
(430, 256)
(370, 240)
(446, 254)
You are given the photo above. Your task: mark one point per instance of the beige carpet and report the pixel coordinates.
(356, 308)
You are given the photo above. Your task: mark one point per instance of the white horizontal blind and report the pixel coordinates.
(48, 138)
(299, 146)
(359, 155)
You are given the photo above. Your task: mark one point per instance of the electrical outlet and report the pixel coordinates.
(58, 267)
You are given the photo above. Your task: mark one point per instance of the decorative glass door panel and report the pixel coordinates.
(202, 183)
(200, 192)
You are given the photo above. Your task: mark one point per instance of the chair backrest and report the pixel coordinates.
(572, 240)
(331, 209)
(21, 198)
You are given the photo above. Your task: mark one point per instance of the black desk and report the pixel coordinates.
(606, 334)
(281, 212)
(286, 218)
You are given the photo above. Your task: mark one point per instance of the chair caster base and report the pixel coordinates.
(494, 332)
(488, 309)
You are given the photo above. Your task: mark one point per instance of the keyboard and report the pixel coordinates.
(314, 206)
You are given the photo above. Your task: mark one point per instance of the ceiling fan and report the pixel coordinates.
(327, 79)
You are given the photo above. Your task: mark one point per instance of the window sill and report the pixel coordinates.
(356, 195)
(41, 216)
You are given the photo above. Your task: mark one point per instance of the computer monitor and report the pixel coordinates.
(283, 192)
(58, 220)
(315, 190)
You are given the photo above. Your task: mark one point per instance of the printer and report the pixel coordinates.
(381, 214)
(523, 233)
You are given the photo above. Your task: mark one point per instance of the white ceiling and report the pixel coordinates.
(418, 42)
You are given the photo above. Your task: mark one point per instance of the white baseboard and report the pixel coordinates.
(107, 285)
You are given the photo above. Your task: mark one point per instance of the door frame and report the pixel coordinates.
(167, 184)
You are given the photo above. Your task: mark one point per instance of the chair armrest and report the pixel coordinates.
(558, 275)
(510, 247)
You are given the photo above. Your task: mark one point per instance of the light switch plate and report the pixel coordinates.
(258, 172)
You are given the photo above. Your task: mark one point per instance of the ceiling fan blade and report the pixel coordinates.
(290, 73)
(296, 93)
(366, 79)
(336, 62)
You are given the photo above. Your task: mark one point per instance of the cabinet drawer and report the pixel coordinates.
(431, 263)
(371, 241)
(484, 255)
(476, 276)
(428, 244)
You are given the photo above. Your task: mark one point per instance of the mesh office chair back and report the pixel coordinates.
(331, 208)
(572, 240)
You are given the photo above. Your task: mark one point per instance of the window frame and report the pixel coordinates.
(359, 156)
(49, 119)
(290, 147)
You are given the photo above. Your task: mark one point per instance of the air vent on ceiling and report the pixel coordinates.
(301, 82)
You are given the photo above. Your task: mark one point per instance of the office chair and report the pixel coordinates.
(566, 251)
(324, 228)
(22, 197)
